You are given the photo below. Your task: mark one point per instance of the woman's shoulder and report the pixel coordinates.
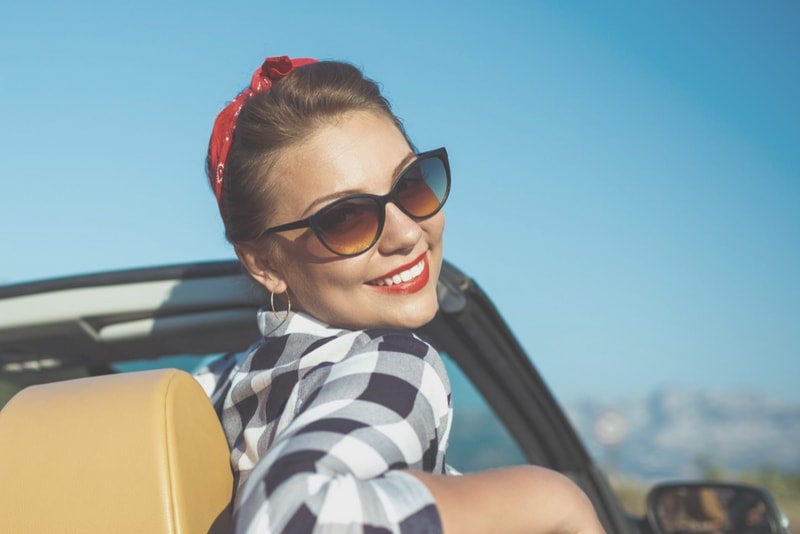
(398, 353)
(395, 348)
(391, 369)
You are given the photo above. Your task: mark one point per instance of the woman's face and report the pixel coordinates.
(362, 152)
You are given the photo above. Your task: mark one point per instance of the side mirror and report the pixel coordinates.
(708, 507)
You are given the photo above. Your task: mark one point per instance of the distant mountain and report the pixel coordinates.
(680, 434)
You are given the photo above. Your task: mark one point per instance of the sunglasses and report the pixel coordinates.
(351, 225)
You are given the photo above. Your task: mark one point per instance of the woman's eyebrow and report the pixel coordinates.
(402, 165)
(339, 194)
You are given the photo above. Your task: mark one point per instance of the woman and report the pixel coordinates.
(338, 417)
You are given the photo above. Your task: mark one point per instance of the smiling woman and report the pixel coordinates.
(360, 153)
(339, 416)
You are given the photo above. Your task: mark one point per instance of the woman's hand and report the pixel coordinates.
(516, 499)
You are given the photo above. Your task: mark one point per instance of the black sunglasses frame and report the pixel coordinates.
(380, 201)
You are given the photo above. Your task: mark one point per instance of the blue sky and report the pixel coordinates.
(626, 175)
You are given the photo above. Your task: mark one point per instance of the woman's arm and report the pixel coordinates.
(517, 499)
(361, 448)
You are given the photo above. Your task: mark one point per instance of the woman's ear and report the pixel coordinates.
(261, 268)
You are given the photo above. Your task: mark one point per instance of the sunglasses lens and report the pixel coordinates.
(350, 226)
(422, 188)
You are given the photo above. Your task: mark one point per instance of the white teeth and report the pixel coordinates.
(405, 276)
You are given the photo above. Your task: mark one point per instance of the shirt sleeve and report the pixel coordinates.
(359, 422)
(214, 378)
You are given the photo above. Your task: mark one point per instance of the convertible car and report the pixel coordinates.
(93, 374)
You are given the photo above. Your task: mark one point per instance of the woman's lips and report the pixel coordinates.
(408, 278)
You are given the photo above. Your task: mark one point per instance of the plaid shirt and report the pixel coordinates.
(322, 422)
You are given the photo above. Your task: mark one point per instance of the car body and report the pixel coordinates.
(187, 315)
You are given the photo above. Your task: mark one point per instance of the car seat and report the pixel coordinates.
(133, 452)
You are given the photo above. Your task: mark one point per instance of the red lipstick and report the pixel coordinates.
(418, 271)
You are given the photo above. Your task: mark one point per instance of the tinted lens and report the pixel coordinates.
(422, 188)
(350, 226)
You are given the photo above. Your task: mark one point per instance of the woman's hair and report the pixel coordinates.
(296, 106)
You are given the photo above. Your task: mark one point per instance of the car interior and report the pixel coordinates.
(95, 330)
(69, 345)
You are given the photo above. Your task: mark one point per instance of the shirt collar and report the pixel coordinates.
(274, 324)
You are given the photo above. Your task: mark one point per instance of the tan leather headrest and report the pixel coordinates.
(136, 452)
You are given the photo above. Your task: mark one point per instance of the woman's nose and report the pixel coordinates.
(400, 232)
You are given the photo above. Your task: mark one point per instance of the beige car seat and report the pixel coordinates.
(135, 452)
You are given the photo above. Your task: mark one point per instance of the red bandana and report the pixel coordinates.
(273, 69)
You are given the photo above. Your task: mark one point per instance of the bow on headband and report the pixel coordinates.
(273, 69)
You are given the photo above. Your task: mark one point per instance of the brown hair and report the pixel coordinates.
(296, 106)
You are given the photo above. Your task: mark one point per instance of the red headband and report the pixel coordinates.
(273, 69)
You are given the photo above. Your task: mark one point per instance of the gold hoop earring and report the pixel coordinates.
(275, 312)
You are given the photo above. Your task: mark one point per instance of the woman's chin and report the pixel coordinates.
(414, 317)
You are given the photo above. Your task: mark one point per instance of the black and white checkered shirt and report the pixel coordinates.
(322, 423)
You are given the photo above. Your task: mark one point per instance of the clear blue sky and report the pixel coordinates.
(627, 175)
